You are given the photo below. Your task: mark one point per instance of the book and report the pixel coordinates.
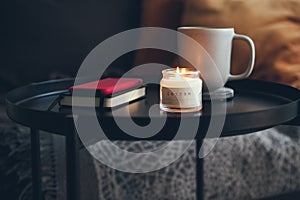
(110, 92)
(105, 102)
(108, 86)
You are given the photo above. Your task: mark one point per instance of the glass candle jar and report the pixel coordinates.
(180, 90)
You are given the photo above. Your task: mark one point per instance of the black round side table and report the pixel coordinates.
(257, 105)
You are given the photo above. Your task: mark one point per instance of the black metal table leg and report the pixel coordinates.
(199, 171)
(72, 166)
(36, 165)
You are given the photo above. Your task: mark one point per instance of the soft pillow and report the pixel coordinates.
(274, 25)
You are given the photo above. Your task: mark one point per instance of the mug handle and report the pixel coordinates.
(249, 70)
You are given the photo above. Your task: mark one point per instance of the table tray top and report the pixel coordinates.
(257, 105)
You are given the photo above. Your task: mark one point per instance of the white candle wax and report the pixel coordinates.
(181, 91)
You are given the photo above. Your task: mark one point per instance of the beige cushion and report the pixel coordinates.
(274, 25)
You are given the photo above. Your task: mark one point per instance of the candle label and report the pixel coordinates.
(180, 97)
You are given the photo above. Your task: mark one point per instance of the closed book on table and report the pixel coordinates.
(103, 101)
(109, 92)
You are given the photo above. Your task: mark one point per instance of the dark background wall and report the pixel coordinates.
(42, 39)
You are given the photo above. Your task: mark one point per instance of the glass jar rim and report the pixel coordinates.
(187, 71)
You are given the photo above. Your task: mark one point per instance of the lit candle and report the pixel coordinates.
(180, 90)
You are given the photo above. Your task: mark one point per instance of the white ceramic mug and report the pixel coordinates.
(217, 42)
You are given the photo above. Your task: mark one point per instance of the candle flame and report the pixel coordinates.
(180, 70)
